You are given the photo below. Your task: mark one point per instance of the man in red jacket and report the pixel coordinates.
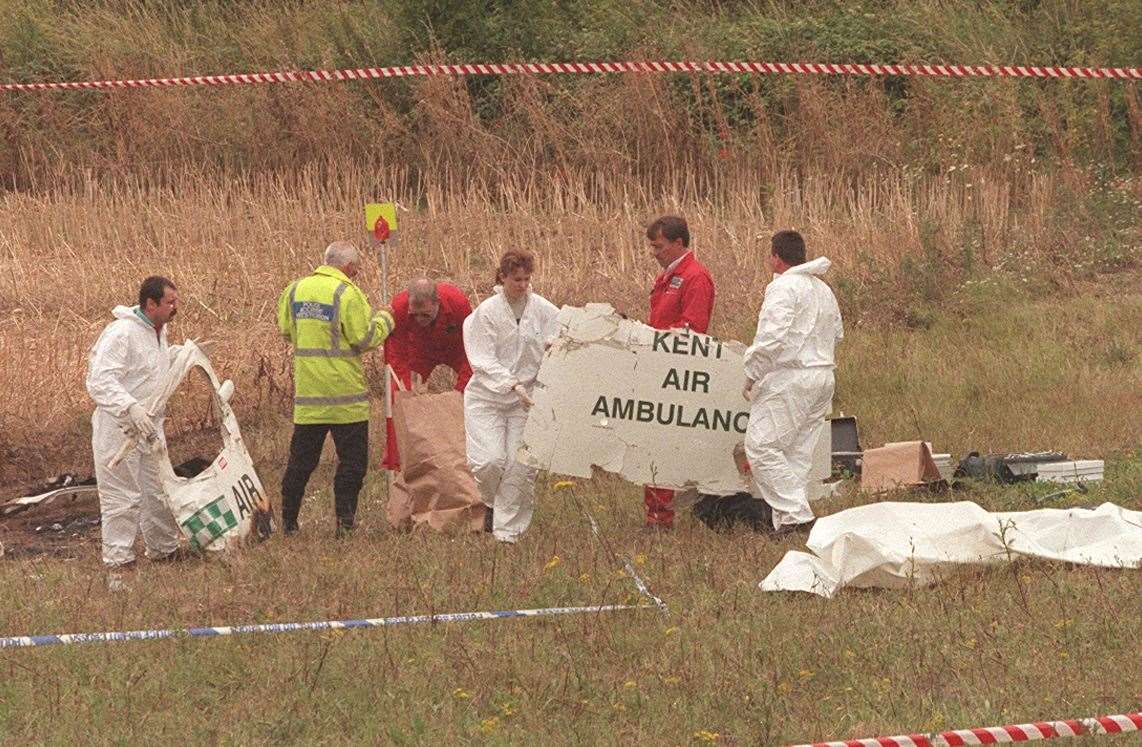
(683, 298)
(429, 333)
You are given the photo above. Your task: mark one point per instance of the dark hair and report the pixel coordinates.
(790, 247)
(515, 259)
(153, 289)
(671, 227)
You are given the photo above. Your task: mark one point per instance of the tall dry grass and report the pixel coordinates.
(485, 128)
(906, 248)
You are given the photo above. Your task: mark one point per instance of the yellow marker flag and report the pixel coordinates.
(381, 219)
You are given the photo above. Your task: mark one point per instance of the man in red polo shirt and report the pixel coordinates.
(683, 298)
(429, 333)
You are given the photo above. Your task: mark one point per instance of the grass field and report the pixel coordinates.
(1013, 644)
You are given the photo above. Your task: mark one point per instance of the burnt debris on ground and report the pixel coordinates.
(60, 517)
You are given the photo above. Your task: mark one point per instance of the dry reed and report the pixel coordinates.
(902, 243)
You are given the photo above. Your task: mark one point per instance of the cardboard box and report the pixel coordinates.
(898, 465)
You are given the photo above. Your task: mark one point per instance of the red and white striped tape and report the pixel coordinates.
(1002, 734)
(564, 68)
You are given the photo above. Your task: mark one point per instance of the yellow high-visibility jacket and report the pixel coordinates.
(330, 324)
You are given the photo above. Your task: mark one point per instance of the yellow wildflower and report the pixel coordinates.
(461, 694)
(640, 560)
(488, 725)
(554, 562)
(563, 485)
(936, 722)
(670, 631)
(630, 684)
(707, 736)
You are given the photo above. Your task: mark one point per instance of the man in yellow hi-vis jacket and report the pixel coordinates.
(330, 324)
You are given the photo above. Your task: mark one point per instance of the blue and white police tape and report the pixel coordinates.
(638, 582)
(30, 641)
(642, 587)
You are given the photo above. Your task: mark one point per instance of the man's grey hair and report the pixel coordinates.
(422, 290)
(341, 253)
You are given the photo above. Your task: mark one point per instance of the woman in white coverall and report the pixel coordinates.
(504, 339)
(127, 365)
(789, 378)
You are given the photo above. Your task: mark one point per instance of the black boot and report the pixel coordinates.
(345, 526)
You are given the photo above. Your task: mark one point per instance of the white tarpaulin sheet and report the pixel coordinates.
(660, 408)
(894, 545)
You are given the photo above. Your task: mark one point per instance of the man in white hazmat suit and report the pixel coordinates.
(127, 365)
(504, 339)
(789, 378)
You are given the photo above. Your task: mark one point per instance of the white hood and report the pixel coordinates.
(499, 289)
(818, 266)
(129, 312)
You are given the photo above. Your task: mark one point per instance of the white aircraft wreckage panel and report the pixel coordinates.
(225, 504)
(660, 408)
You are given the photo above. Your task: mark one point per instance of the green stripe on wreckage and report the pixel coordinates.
(209, 523)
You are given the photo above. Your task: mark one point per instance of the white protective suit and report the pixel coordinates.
(791, 364)
(504, 354)
(125, 366)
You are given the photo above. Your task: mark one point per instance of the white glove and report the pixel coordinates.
(141, 421)
(523, 396)
(747, 390)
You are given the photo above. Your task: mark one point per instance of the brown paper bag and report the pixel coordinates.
(398, 511)
(898, 465)
(435, 487)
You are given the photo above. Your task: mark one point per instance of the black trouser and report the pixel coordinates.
(352, 443)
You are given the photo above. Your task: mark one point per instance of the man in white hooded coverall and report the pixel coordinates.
(789, 378)
(504, 339)
(127, 365)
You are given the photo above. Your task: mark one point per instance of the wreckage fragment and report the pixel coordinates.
(659, 408)
(220, 506)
